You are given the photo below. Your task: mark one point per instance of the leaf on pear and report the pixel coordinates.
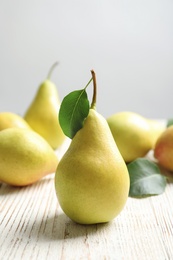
(169, 122)
(145, 178)
(73, 110)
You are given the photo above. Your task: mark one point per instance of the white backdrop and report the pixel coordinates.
(129, 44)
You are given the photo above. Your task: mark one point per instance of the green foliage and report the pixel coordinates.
(169, 122)
(145, 178)
(74, 109)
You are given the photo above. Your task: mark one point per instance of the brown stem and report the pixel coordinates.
(93, 104)
(51, 69)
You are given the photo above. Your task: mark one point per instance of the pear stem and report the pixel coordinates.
(51, 70)
(93, 104)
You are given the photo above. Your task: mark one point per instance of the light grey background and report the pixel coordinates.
(129, 44)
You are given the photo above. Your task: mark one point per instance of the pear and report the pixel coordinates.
(25, 157)
(163, 150)
(92, 180)
(42, 114)
(9, 119)
(157, 128)
(131, 133)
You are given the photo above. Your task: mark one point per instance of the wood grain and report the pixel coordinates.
(33, 226)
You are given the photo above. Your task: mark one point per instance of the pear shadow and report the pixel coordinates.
(59, 228)
(7, 189)
(170, 179)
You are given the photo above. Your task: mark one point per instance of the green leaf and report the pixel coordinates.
(73, 110)
(145, 178)
(169, 122)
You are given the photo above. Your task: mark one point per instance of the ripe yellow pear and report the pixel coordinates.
(25, 157)
(163, 150)
(131, 133)
(9, 119)
(42, 114)
(92, 180)
(157, 128)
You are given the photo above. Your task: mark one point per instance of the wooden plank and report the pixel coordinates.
(33, 226)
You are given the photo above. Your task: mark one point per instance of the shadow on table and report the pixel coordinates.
(7, 189)
(64, 228)
(60, 227)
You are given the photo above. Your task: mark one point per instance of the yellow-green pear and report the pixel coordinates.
(157, 128)
(92, 180)
(25, 157)
(131, 133)
(9, 119)
(42, 114)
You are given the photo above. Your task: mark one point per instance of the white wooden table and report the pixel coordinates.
(33, 226)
